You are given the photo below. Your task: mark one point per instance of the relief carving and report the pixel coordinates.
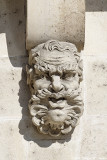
(54, 74)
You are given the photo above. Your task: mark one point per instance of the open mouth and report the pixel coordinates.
(57, 103)
(54, 100)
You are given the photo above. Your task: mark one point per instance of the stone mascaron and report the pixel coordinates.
(54, 74)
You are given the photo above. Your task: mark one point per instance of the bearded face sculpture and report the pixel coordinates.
(54, 74)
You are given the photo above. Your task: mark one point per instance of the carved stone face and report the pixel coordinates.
(54, 76)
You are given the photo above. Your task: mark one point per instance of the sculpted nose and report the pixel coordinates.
(56, 83)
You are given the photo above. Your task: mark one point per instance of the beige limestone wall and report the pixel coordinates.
(56, 19)
(18, 137)
(94, 134)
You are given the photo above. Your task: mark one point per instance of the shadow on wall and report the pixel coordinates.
(96, 5)
(12, 22)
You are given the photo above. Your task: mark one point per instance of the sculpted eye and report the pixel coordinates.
(42, 76)
(37, 76)
(47, 76)
(64, 76)
(68, 76)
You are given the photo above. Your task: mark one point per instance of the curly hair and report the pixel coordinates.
(35, 61)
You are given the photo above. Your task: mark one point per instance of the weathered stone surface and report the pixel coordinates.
(96, 33)
(55, 152)
(94, 139)
(13, 88)
(55, 149)
(55, 19)
(95, 70)
(12, 144)
(3, 45)
(54, 74)
(12, 22)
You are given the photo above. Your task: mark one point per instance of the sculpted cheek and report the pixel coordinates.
(70, 84)
(66, 86)
(40, 84)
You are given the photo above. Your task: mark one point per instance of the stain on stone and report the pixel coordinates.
(99, 67)
(11, 129)
(9, 43)
(12, 90)
(16, 11)
(4, 14)
(4, 22)
(20, 22)
(27, 126)
(102, 66)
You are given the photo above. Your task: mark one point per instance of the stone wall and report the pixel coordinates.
(55, 19)
(18, 137)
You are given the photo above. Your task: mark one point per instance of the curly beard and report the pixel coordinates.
(56, 113)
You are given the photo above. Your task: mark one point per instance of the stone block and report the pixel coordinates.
(94, 138)
(95, 79)
(12, 22)
(14, 93)
(50, 148)
(12, 144)
(96, 33)
(55, 149)
(55, 152)
(55, 19)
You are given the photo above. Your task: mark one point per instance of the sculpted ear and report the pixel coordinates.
(33, 56)
(80, 70)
